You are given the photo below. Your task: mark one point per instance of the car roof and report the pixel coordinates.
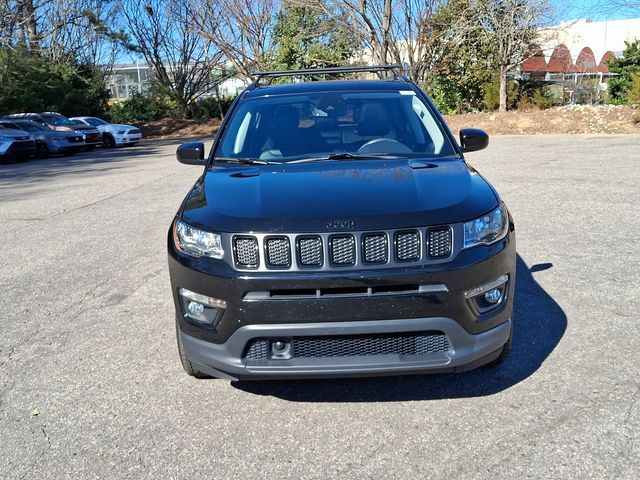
(328, 86)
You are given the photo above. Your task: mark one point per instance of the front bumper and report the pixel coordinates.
(17, 148)
(474, 338)
(127, 139)
(467, 351)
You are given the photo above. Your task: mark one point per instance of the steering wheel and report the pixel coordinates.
(384, 145)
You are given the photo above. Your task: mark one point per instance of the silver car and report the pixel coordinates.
(47, 140)
(113, 134)
(15, 144)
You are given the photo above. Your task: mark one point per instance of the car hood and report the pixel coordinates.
(15, 134)
(356, 195)
(78, 127)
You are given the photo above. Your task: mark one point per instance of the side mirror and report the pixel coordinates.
(191, 153)
(473, 139)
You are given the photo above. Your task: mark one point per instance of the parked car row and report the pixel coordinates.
(25, 135)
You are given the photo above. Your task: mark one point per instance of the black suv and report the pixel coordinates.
(337, 230)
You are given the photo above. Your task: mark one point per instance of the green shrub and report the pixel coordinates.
(141, 108)
(35, 82)
(633, 94)
(541, 98)
(491, 95)
(209, 107)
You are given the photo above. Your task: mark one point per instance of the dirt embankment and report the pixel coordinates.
(175, 128)
(580, 119)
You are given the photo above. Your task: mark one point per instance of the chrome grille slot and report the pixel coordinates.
(375, 247)
(246, 252)
(408, 246)
(343, 250)
(278, 252)
(440, 242)
(310, 251)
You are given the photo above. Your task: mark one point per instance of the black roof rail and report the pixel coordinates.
(395, 69)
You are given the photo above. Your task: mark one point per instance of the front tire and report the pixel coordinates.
(504, 353)
(108, 141)
(42, 150)
(186, 363)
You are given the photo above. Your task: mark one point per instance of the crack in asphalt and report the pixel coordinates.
(88, 295)
(39, 457)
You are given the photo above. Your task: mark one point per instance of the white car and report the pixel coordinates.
(112, 134)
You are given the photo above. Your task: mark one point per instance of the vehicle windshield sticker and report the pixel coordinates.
(407, 92)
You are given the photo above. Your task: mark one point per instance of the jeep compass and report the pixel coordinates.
(337, 230)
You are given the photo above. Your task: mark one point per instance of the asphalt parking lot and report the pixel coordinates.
(91, 385)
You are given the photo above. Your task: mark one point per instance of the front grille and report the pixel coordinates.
(310, 251)
(440, 242)
(133, 131)
(278, 252)
(408, 246)
(375, 248)
(246, 250)
(93, 137)
(74, 139)
(410, 343)
(21, 146)
(343, 250)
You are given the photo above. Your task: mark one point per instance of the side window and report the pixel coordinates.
(241, 136)
(429, 123)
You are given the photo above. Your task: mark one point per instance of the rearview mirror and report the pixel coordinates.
(191, 153)
(473, 139)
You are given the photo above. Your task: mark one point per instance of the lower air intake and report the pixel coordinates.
(410, 343)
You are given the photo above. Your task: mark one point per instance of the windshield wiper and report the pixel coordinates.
(249, 161)
(346, 156)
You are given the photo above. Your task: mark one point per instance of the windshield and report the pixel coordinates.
(321, 124)
(58, 120)
(32, 127)
(95, 121)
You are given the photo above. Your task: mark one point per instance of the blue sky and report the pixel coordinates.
(593, 9)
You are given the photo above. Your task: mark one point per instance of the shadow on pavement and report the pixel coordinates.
(539, 324)
(37, 170)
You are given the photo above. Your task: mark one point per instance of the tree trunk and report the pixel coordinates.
(503, 88)
(386, 28)
(28, 14)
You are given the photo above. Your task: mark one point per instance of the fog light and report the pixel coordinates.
(493, 296)
(281, 349)
(195, 308)
(489, 296)
(200, 308)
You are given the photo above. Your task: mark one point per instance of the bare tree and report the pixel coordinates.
(240, 29)
(370, 20)
(510, 27)
(415, 41)
(181, 60)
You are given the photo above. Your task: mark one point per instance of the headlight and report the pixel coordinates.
(120, 132)
(487, 229)
(196, 242)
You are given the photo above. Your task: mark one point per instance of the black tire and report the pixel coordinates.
(42, 150)
(504, 353)
(108, 141)
(186, 364)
